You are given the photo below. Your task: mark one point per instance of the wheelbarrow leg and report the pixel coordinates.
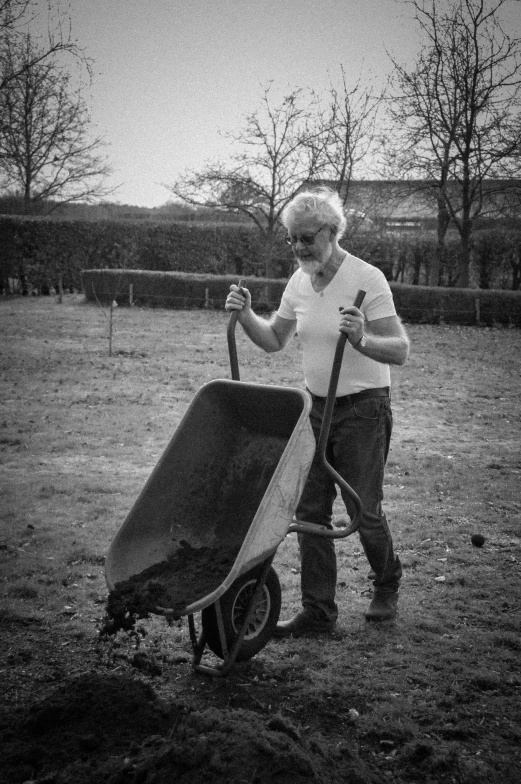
(198, 643)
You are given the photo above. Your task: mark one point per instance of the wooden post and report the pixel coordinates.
(131, 294)
(477, 305)
(111, 323)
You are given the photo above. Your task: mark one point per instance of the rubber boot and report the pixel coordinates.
(384, 605)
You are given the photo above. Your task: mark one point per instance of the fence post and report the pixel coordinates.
(477, 305)
(131, 294)
(207, 298)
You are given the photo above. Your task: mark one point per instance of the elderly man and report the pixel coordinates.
(315, 303)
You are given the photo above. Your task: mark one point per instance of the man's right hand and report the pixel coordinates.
(239, 298)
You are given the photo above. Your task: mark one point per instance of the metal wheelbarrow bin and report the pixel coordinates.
(202, 534)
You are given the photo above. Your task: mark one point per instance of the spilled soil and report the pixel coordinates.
(187, 576)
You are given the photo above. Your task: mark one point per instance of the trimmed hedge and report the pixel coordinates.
(39, 252)
(427, 305)
(178, 290)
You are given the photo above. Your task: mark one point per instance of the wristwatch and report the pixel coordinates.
(361, 343)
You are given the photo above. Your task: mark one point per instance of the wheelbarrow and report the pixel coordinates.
(203, 532)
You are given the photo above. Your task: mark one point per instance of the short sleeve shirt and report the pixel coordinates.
(318, 320)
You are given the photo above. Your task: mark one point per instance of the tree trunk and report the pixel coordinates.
(27, 198)
(440, 257)
(268, 254)
(416, 266)
(515, 262)
(463, 279)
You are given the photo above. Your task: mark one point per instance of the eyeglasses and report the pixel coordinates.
(305, 239)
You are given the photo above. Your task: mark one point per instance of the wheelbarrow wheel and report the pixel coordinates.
(234, 606)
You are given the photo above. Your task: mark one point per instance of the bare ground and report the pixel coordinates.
(433, 697)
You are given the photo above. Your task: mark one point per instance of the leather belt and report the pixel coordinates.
(349, 400)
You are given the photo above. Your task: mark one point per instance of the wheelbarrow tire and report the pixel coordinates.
(234, 605)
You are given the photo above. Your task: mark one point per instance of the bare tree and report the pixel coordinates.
(16, 19)
(456, 114)
(349, 124)
(45, 150)
(280, 148)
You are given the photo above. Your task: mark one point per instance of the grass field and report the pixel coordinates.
(433, 697)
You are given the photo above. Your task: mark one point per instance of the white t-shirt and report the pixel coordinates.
(318, 320)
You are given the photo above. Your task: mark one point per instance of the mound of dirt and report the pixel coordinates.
(114, 729)
(83, 721)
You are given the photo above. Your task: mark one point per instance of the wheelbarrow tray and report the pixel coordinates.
(221, 498)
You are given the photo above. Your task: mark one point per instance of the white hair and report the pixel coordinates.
(322, 205)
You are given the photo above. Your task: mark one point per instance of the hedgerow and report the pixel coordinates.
(41, 254)
(420, 304)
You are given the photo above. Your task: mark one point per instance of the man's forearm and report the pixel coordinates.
(259, 330)
(389, 350)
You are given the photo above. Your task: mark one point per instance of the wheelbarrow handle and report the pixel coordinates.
(301, 527)
(326, 424)
(232, 345)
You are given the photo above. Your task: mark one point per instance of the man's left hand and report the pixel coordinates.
(352, 323)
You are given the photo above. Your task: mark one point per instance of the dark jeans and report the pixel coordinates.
(357, 448)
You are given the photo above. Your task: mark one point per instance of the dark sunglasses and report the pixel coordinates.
(305, 239)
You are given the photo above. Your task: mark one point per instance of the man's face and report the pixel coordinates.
(311, 244)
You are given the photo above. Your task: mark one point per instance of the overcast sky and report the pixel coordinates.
(169, 75)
